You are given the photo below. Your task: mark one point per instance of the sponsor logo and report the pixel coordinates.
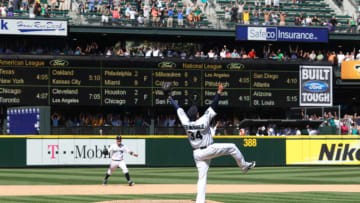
(39, 26)
(59, 63)
(80, 152)
(339, 152)
(167, 64)
(4, 25)
(283, 34)
(235, 66)
(316, 86)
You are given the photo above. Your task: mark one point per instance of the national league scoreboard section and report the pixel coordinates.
(126, 81)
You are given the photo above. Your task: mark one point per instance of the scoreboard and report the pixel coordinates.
(82, 80)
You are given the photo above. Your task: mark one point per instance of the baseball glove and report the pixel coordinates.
(166, 87)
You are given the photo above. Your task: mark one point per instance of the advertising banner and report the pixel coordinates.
(322, 151)
(316, 86)
(350, 70)
(79, 151)
(291, 34)
(33, 27)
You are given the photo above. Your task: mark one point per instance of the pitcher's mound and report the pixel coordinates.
(155, 201)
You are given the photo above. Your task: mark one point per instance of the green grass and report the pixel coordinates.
(304, 197)
(188, 175)
(260, 175)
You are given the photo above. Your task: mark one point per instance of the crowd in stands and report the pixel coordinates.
(98, 120)
(348, 124)
(173, 13)
(34, 8)
(268, 52)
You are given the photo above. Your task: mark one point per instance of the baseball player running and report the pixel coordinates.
(200, 137)
(117, 151)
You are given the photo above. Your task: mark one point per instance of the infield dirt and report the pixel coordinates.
(33, 190)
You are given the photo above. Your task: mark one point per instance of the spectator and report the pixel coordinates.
(99, 7)
(81, 7)
(161, 17)
(312, 56)
(252, 54)
(358, 23)
(3, 10)
(180, 17)
(332, 57)
(10, 10)
(344, 128)
(234, 54)
(227, 14)
(282, 19)
(190, 18)
(53, 5)
(155, 19)
(188, 9)
(127, 11)
(308, 20)
(240, 11)
(132, 14)
(197, 14)
(115, 16)
(297, 21)
(280, 55)
(267, 3)
(257, 3)
(146, 15)
(24, 4)
(332, 24)
(140, 19)
(31, 11)
(234, 11)
(352, 23)
(55, 119)
(340, 57)
(274, 17)
(91, 5)
(256, 17)
(246, 16)
(211, 54)
(277, 4)
(223, 53)
(105, 15)
(315, 20)
(170, 14)
(320, 56)
(267, 18)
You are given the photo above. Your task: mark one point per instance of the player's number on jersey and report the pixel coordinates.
(196, 135)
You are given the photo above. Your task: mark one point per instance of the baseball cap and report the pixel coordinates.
(118, 137)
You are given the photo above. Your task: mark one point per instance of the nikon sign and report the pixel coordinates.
(316, 86)
(78, 151)
(322, 151)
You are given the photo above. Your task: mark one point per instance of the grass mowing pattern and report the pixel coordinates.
(265, 175)
(304, 197)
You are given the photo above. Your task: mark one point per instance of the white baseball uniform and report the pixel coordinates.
(117, 158)
(200, 137)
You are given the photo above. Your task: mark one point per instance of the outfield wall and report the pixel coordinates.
(156, 151)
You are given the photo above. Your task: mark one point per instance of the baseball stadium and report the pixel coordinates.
(169, 101)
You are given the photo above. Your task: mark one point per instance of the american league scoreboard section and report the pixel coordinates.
(129, 81)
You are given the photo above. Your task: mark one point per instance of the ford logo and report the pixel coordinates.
(59, 63)
(167, 64)
(316, 86)
(235, 66)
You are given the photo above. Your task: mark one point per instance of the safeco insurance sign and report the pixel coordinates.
(316, 86)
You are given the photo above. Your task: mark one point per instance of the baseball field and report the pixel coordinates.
(262, 184)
